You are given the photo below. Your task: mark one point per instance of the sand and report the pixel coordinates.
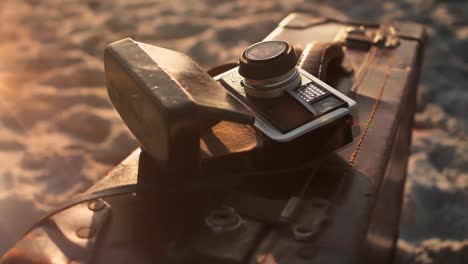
(59, 133)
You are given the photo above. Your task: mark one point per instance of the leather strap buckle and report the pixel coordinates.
(362, 38)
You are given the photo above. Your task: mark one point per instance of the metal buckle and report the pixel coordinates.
(361, 38)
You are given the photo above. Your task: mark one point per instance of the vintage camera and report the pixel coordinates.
(288, 101)
(264, 115)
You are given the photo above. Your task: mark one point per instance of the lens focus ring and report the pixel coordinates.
(266, 60)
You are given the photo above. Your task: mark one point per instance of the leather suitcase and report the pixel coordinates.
(351, 212)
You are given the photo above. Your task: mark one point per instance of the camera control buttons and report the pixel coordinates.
(309, 92)
(328, 104)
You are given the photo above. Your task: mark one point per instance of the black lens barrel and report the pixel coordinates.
(268, 59)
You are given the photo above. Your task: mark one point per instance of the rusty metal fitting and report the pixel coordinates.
(223, 220)
(96, 205)
(302, 232)
(86, 232)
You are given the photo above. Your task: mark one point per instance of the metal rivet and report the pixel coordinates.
(224, 219)
(85, 232)
(302, 233)
(96, 205)
(307, 252)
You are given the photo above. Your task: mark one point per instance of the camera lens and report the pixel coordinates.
(269, 68)
(265, 50)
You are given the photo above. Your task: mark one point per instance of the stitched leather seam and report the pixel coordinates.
(322, 57)
(355, 153)
(365, 68)
(304, 54)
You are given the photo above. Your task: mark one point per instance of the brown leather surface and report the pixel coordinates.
(363, 181)
(66, 236)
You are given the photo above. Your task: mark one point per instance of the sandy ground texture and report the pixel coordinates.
(59, 132)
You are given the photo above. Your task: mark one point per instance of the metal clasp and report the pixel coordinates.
(362, 38)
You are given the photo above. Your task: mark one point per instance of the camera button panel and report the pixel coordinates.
(300, 110)
(309, 92)
(327, 104)
(317, 99)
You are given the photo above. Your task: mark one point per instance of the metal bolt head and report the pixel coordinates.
(302, 232)
(224, 219)
(96, 205)
(85, 232)
(361, 30)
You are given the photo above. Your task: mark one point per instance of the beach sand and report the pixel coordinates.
(59, 132)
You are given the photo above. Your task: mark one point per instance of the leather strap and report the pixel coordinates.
(318, 57)
(87, 197)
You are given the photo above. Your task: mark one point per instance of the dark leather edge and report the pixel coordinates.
(405, 30)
